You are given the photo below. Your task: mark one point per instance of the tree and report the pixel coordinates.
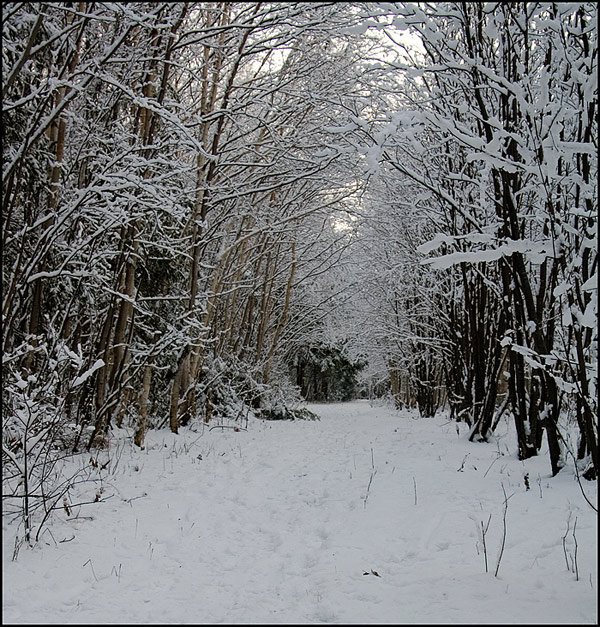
(167, 168)
(504, 148)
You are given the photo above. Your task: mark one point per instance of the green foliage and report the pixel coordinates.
(286, 413)
(324, 373)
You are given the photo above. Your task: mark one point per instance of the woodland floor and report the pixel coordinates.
(366, 516)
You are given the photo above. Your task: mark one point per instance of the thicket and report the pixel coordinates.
(172, 173)
(485, 286)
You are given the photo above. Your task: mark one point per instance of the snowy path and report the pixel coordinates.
(279, 524)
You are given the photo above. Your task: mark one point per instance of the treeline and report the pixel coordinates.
(480, 247)
(169, 188)
(172, 173)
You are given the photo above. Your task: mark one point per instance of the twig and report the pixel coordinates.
(119, 455)
(575, 557)
(483, 534)
(415, 489)
(117, 572)
(564, 541)
(560, 435)
(133, 498)
(92, 567)
(47, 530)
(18, 544)
(498, 455)
(373, 473)
(234, 427)
(503, 531)
(369, 488)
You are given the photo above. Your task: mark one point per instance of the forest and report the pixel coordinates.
(221, 209)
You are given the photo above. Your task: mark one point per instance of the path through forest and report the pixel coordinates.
(366, 516)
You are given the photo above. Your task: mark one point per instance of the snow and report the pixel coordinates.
(536, 251)
(368, 515)
(99, 363)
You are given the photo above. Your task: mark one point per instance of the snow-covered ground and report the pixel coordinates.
(366, 516)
